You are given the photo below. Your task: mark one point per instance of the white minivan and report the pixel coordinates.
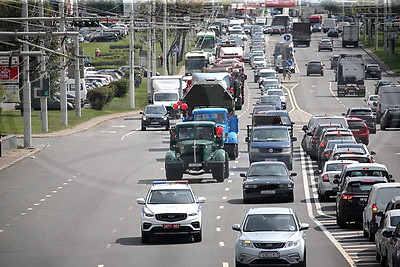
(70, 84)
(378, 198)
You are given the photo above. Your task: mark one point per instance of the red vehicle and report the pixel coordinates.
(314, 19)
(359, 129)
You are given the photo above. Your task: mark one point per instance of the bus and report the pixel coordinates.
(206, 41)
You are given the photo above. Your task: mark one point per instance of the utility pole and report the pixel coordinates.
(154, 41)
(63, 89)
(43, 100)
(149, 55)
(165, 47)
(385, 27)
(131, 59)
(78, 110)
(27, 84)
(376, 25)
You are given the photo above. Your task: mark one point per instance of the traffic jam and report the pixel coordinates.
(238, 66)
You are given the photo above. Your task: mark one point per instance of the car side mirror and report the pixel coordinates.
(304, 128)
(294, 138)
(293, 174)
(306, 64)
(246, 139)
(365, 100)
(372, 152)
(236, 227)
(242, 174)
(304, 226)
(379, 214)
(201, 199)
(387, 234)
(343, 114)
(140, 201)
(141, 112)
(317, 172)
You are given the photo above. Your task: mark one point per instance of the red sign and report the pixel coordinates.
(280, 3)
(8, 75)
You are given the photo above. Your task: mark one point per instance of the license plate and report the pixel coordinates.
(352, 91)
(267, 192)
(195, 164)
(154, 122)
(355, 130)
(268, 255)
(171, 226)
(270, 159)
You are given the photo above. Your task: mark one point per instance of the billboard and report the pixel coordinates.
(280, 3)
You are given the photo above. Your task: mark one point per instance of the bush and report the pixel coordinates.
(100, 96)
(120, 87)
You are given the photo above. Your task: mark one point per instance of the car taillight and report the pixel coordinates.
(374, 209)
(323, 144)
(347, 197)
(326, 155)
(325, 178)
(314, 139)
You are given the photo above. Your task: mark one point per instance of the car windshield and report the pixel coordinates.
(270, 222)
(215, 117)
(360, 112)
(314, 63)
(357, 173)
(155, 110)
(354, 157)
(373, 98)
(165, 97)
(270, 135)
(374, 68)
(267, 170)
(360, 187)
(270, 99)
(384, 195)
(275, 92)
(170, 196)
(259, 109)
(394, 220)
(330, 145)
(331, 167)
(199, 132)
(267, 74)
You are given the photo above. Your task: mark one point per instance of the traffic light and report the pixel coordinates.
(45, 91)
(86, 23)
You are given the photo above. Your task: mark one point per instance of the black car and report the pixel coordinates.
(315, 67)
(381, 83)
(390, 119)
(316, 27)
(155, 116)
(105, 37)
(333, 33)
(352, 198)
(246, 57)
(373, 71)
(269, 179)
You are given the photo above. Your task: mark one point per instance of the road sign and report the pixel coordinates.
(8, 75)
(176, 48)
(389, 18)
(5, 61)
(286, 37)
(10, 93)
(86, 59)
(289, 63)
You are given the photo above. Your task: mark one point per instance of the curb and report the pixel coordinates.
(24, 156)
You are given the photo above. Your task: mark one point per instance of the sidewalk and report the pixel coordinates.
(20, 154)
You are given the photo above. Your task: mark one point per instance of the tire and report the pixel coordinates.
(238, 264)
(245, 199)
(308, 74)
(226, 167)
(378, 256)
(172, 175)
(234, 154)
(371, 237)
(145, 238)
(304, 262)
(290, 166)
(291, 198)
(321, 197)
(340, 222)
(383, 127)
(365, 234)
(322, 74)
(197, 237)
(143, 128)
(218, 173)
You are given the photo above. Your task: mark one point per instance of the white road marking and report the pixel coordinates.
(310, 214)
(36, 204)
(234, 167)
(30, 209)
(65, 183)
(224, 198)
(1, 230)
(130, 208)
(43, 199)
(118, 126)
(110, 132)
(230, 181)
(227, 189)
(54, 191)
(218, 229)
(121, 219)
(23, 213)
(221, 207)
(218, 217)
(225, 264)
(100, 265)
(60, 187)
(221, 244)
(114, 230)
(125, 135)
(69, 180)
(108, 246)
(48, 195)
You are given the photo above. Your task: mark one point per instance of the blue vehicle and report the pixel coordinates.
(271, 143)
(228, 122)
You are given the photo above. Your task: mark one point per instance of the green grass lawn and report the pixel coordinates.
(394, 63)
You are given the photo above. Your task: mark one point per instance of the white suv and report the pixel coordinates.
(170, 208)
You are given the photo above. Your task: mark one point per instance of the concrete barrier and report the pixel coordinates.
(7, 143)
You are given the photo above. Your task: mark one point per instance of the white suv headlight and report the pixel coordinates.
(246, 244)
(253, 149)
(286, 149)
(292, 244)
(147, 213)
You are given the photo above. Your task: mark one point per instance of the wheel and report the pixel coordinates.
(172, 175)
(383, 127)
(322, 74)
(365, 234)
(290, 166)
(291, 197)
(371, 236)
(218, 173)
(304, 262)
(197, 237)
(378, 256)
(143, 128)
(234, 154)
(245, 199)
(145, 238)
(321, 197)
(238, 264)
(308, 74)
(340, 221)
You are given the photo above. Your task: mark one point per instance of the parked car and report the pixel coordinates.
(326, 178)
(270, 235)
(390, 119)
(333, 33)
(315, 67)
(393, 247)
(269, 179)
(378, 198)
(388, 223)
(372, 71)
(155, 116)
(359, 129)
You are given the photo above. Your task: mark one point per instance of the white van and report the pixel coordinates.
(388, 97)
(70, 84)
(328, 23)
(378, 198)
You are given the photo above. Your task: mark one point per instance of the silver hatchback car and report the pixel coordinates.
(269, 237)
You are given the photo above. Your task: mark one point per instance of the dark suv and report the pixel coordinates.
(373, 71)
(155, 116)
(352, 198)
(390, 119)
(315, 67)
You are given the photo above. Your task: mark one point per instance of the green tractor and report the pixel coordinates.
(196, 148)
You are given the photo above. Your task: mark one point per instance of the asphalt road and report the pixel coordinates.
(74, 204)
